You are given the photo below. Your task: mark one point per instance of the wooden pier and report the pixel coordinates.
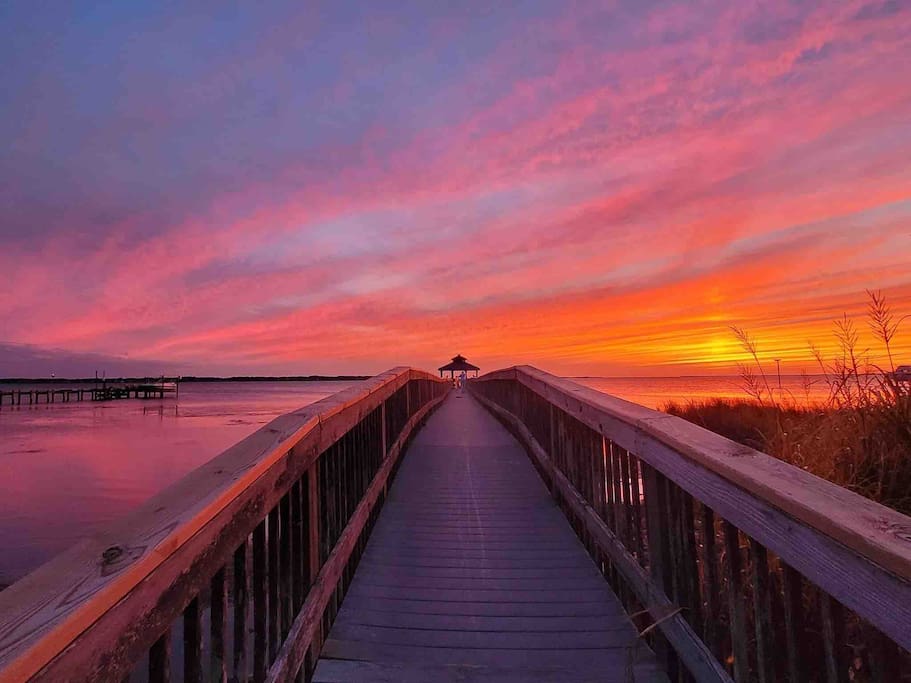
(473, 573)
(104, 392)
(532, 529)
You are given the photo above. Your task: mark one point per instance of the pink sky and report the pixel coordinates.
(593, 188)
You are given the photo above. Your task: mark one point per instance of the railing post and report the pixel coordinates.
(260, 637)
(313, 519)
(241, 590)
(655, 510)
(552, 484)
(383, 421)
(218, 624)
(736, 607)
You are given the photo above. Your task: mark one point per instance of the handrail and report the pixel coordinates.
(659, 497)
(296, 486)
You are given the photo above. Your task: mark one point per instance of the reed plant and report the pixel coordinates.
(859, 437)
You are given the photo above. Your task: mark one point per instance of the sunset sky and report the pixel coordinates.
(593, 188)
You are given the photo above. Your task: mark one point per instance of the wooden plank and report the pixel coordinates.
(655, 506)
(437, 595)
(379, 579)
(218, 628)
(635, 475)
(297, 568)
(192, 643)
(241, 593)
(762, 613)
(792, 597)
(580, 569)
(285, 591)
(160, 659)
(274, 590)
(709, 562)
(611, 658)
(833, 639)
(314, 532)
(260, 603)
(604, 608)
(620, 637)
(689, 567)
(738, 621)
(350, 671)
(610, 619)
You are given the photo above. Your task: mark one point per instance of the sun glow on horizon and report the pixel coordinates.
(289, 199)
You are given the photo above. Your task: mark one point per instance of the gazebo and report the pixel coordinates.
(458, 364)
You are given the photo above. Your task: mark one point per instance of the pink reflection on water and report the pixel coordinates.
(70, 468)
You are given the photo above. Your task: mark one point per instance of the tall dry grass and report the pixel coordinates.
(859, 438)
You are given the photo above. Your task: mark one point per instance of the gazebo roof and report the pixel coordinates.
(458, 363)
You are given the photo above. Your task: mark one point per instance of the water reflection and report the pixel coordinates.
(70, 468)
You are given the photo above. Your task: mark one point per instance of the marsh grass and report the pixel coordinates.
(859, 438)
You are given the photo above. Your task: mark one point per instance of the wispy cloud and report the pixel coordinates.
(590, 188)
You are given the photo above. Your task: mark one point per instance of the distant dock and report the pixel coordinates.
(108, 391)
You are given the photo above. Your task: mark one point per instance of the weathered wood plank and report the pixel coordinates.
(605, 609)
(565, 595)
(192, 642)
(487, 640)
(611, 618)
(160, 659)
(709, 562)
(833, 639)
(260, 603)
(241, 597)
(792, 599)
(733, 565)
(218, 628)
(346, 671)
(611, 658)
(762, 612)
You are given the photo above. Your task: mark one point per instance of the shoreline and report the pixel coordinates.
(187, 379)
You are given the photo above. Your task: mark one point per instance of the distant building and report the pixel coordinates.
(458, 364)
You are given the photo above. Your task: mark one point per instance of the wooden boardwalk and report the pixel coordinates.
(748, 568)
(473, 573)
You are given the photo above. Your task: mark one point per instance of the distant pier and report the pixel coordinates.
(106, 392)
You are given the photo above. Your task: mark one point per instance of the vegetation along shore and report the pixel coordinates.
(859, 438)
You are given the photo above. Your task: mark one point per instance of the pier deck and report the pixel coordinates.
(472, 572)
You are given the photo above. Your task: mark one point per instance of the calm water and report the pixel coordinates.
(654, 392)
(69, 468)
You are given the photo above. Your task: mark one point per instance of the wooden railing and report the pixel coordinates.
(733, 563)
(234, 573)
